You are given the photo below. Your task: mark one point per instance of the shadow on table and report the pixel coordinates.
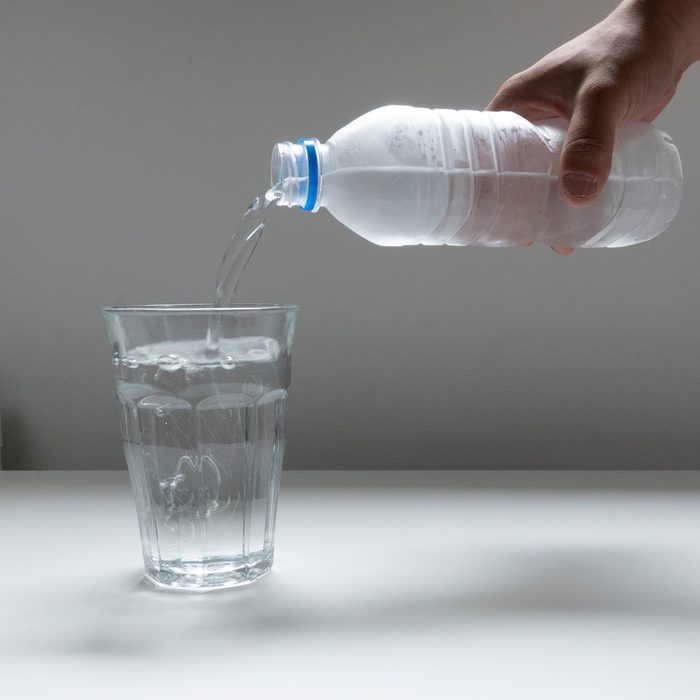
(129, 617)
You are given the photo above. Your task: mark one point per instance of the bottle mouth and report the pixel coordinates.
(294, 174)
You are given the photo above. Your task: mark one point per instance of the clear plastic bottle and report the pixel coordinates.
(403, 175)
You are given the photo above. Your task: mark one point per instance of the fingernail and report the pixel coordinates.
(579, 185)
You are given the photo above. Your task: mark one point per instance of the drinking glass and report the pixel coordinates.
(202, 393)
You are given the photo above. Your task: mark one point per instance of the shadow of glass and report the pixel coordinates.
(129, 616)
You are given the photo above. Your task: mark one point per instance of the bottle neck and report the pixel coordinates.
(295, 173)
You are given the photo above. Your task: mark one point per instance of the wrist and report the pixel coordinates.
(676, 23)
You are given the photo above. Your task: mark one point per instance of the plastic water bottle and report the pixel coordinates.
(403, 175)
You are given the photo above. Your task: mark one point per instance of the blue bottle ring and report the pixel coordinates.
(312, 188)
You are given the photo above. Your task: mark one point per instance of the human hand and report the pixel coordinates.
(624, 69)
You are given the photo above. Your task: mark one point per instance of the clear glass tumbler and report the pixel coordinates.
(203, 392)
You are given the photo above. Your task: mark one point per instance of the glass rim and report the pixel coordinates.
(197, 308)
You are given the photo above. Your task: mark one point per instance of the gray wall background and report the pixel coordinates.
(134, 133)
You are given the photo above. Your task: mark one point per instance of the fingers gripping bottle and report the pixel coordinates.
(403, 175)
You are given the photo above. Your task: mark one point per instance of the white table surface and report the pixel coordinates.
(469, 585)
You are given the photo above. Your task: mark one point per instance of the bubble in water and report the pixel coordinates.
(131, 362)
(177, 492)
(228, 362)
(171, 362)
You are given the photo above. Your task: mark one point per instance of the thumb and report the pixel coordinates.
(586, 156)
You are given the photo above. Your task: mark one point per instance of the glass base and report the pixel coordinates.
(210, 574)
